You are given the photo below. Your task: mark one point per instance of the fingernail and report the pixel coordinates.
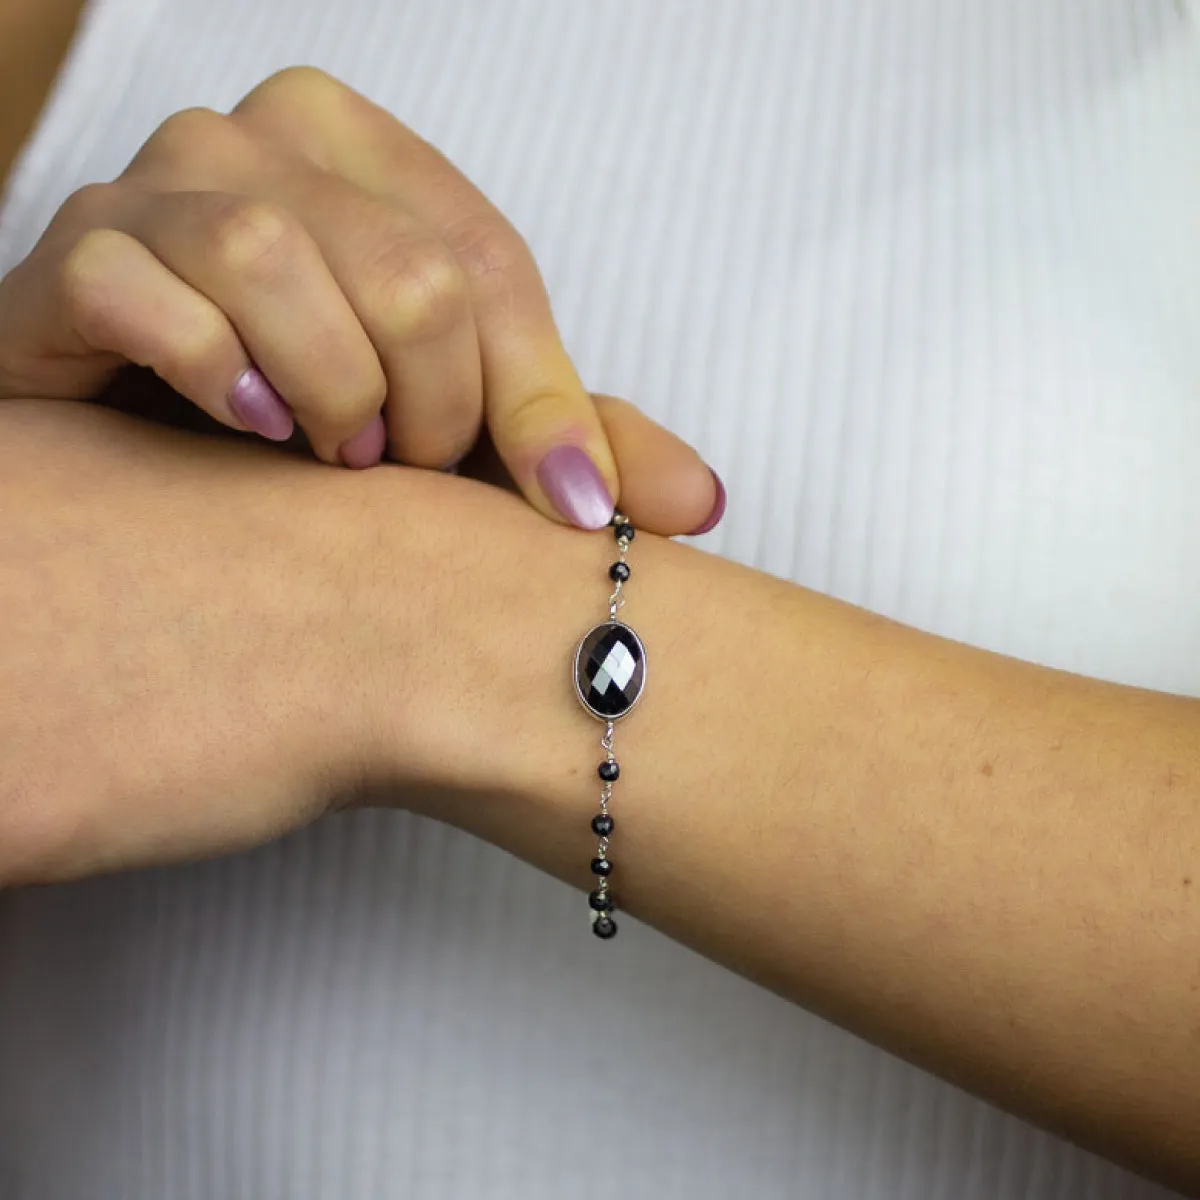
(365, 448)
(259, 407)
(718, 508)
(575, 487)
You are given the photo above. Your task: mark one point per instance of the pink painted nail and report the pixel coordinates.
(575, 487)
(718, 508)
(259, 407)
(365, 448)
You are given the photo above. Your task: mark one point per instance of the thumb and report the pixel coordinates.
(551, 440)
(666, 487)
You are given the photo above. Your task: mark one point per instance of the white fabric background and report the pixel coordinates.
(921, 279)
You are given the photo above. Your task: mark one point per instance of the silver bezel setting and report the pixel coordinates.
(603, 717)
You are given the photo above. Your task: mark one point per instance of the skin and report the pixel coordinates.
(311, 234)
(307, 259)
(988, 868)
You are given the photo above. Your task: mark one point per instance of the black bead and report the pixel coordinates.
(602, 824)
(604, 927)
(619, 572)
(624, 532)
(599, 901)
(609, 770)
(601, 866)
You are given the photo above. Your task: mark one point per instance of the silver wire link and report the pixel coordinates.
(606, 743)
(615, 603)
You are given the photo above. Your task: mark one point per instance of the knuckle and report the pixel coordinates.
(252, 238)
(87, 206)
(535, 410)
(298, 84)
(185, 134)
(492, 253)
(303, 107)
(86, 275)
(420, 291)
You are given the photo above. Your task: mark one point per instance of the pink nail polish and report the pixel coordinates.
(365, 448)
(259, 407)
(718, 508)
(575, 487)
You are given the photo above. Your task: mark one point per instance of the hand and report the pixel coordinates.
(308, 258)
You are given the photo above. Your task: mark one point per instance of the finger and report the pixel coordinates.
(411, 297)
(539, 415)
(118, 298)
(666, 487)
(255, 261)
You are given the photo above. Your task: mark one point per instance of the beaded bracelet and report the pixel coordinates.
(610, 673)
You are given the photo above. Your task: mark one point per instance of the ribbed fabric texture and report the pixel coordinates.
(920, 277)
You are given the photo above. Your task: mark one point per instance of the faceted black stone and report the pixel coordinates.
(604, 927)
(624, 532)
(609, 770)
(599, 901)
(601, 866)
(619, 572)
(602, 824)
(610, 670)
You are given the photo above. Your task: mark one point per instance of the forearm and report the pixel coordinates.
(989, 868)
(986, 867)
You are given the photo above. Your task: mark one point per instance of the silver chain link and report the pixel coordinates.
(615, 603)
(606, 744)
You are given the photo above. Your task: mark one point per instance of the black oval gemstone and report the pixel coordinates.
(619, 572)
(602, 824)
(604, 927)
(610, 670)
(624, 532)
(609, 770)
(601, 866)
(600, 902)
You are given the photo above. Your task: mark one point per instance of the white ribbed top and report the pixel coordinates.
(922, 280)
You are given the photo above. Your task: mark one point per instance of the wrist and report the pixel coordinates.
(495, 600)
(469, 605)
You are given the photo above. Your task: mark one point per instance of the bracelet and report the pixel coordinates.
(610, 673)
